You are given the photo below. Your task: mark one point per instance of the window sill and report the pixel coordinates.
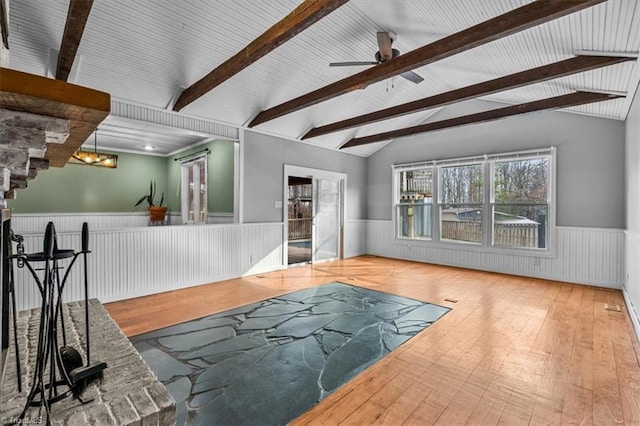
(471, 246)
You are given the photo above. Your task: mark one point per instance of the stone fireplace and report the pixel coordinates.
(129, 393)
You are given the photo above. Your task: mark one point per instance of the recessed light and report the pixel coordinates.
(149, 147)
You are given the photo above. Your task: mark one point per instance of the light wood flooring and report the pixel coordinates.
(513, 350)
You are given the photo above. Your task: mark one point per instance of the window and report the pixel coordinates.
(414, 204)
(501, 201)
(461, 203)
(521, 203)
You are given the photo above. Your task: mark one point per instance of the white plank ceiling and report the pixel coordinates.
(143, 51)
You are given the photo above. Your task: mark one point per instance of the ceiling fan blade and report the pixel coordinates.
(412, 76)
(384, 45)
(350, 64)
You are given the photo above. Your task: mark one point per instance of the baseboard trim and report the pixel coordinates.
(632, 313)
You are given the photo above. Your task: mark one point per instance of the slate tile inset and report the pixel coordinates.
(240, 342)
(331, 341)
(303, 326)
(277, 309)
(281, 385)
(229, 371)
(351, 358)
(164, 365)
(350, 324)
(268, 362)
(333, 307)
(180, 389)
(185, 342)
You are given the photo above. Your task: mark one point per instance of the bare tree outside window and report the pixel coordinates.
(521, 207)
(461, 198)
(461, 184)
(499, 200)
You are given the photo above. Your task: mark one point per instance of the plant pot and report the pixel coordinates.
(157, 214)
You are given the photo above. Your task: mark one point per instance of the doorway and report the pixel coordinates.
(299, 217)
(314, 217)
(194, 198)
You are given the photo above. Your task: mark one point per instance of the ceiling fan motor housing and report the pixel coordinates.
(380, 59)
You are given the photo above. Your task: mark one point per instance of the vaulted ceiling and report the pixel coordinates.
(265, 64)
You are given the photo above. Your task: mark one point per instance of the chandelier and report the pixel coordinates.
(94, 158)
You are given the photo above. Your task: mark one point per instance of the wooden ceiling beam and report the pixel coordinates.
(74, 27)
(84, 108)
(522, 18)
(563, 101)
(513, 81)
(302, 17)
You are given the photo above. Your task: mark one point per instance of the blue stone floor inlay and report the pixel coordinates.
(268, 362)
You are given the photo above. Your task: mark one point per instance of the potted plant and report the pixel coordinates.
(156, 212)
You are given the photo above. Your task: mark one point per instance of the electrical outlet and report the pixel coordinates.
(252, 259)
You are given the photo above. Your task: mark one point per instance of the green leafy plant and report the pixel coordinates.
(150, 197)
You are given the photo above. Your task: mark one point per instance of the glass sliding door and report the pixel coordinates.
(327, 227)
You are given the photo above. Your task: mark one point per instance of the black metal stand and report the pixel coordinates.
(14, 312)
(59, 371)
(7, 297)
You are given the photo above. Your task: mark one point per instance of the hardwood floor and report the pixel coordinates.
(513, 350)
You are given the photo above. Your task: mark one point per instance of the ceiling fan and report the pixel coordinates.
(385, 52)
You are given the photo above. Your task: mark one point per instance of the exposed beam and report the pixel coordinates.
(563, 101)
(516, 20)
(302, 17)
(74, 27)
(535, 75)
(84, 108)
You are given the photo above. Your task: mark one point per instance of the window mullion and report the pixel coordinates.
(435, 200)
(487, 211)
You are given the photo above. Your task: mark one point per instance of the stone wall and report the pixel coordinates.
(129, 394)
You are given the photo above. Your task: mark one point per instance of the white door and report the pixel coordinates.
(326, 225)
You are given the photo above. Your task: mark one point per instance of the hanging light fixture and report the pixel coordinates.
(94, 158)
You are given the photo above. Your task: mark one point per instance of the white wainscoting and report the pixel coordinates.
(355, 238)
(133, 262)
(137, 261)
(593, 256)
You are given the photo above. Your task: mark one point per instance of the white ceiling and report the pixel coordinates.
(143, 51)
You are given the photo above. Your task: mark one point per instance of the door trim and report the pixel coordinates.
(291, 170)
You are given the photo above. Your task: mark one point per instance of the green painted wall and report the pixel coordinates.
(86, 189)
(219, 177)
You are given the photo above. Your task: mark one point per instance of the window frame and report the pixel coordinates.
(488, 162)
(203, 210)
(493, 202)
(397, 203)
(439, 201)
